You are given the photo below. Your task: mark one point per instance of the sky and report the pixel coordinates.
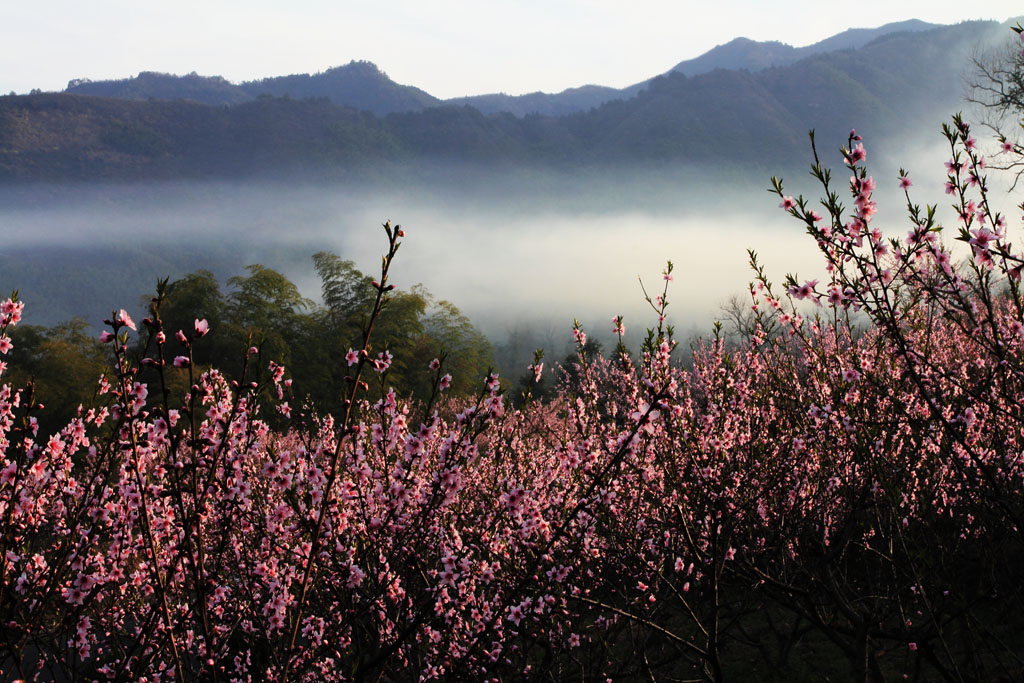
(447, 47)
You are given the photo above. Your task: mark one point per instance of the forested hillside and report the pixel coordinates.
(725, 116)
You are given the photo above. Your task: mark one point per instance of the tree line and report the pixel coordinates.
(264, 309)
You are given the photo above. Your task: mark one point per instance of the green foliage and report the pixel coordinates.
(134, 139)
(151, 85)
(265, 309)
(343, 288)
(468, 350)
(198, 296)
(63, 363)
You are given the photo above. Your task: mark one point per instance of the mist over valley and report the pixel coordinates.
(521, 254)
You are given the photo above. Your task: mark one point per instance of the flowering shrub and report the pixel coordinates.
(822, 492)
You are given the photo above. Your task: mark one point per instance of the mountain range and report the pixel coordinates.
(362, 85)
(741, 102)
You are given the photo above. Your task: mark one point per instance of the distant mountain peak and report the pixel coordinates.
(754, 55)
(360, 66)
(359, 84)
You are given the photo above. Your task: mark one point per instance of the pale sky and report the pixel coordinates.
(447, 47)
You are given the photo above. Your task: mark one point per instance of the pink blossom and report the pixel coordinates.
(122, 318)
(8, 474)
(981, 237)
(355, 576)
(383, 361)
(646, 416)
(11, 311)
(857, 154)
(580, 335)
(805, 290)
(537, 370)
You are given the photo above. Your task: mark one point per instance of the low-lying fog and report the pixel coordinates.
(517, 252)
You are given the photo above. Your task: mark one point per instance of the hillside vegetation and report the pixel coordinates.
(723, 116)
